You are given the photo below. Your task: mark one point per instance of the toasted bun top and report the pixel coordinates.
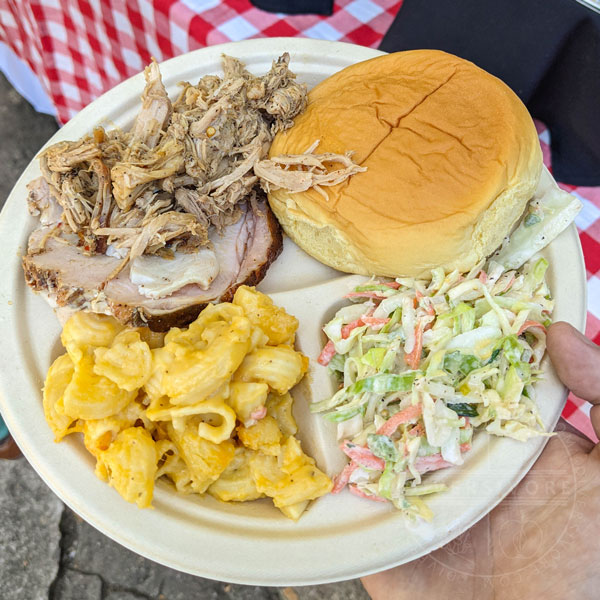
(452, 157)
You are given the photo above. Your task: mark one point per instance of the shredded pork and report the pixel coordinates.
(184, 167)
(300, 172)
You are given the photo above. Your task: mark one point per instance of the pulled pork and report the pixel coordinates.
(183, 168)
(299, 172)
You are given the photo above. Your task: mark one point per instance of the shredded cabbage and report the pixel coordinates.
(431, 362)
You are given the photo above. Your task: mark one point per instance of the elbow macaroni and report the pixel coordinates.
(207, 407)
(127, 362)
(281, 367)
(129, 465)
(225, 422)
(246, 398)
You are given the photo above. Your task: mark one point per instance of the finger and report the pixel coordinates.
(576, 360)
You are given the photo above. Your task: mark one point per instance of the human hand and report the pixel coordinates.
(543, 540)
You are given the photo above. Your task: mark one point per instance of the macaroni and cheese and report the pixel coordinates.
(207, 407)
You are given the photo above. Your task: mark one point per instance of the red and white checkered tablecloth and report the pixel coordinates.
(81, 48)
(78, 49)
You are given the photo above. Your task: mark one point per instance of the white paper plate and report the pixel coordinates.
(340, 537)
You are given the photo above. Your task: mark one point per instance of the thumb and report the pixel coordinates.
(577, 363)
(576, 360)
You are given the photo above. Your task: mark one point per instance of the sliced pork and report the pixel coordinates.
(72, 278)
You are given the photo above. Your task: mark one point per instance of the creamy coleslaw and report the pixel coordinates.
(421, 364)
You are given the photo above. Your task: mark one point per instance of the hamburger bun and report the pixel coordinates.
(452, 158)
